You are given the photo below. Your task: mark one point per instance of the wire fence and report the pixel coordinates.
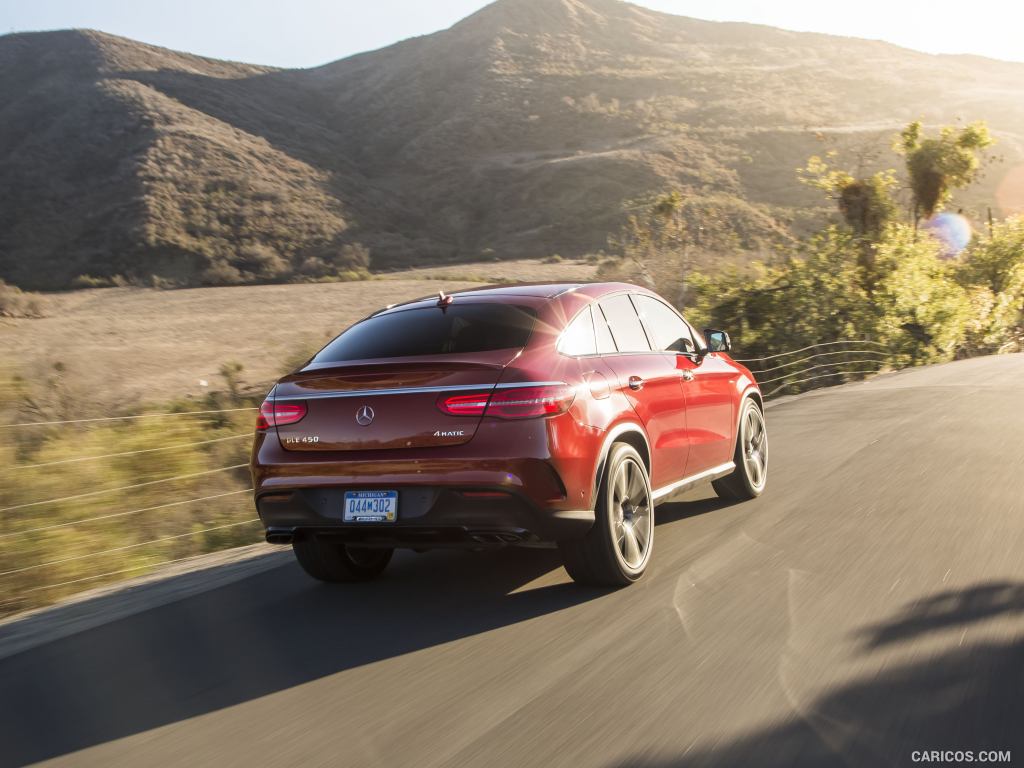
(847, 359)
(99, 419)
(126, 547)
(785, 372)
(122, 454)
(140, 510)
(820, 355)
(54, 544)
(133, 486)
(133, 569)
(862, 342)
(833, 366)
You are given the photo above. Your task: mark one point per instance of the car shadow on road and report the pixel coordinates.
(269, 632)
(965, 698)
(245, 640)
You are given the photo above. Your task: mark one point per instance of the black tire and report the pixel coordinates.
(335, 562)
(748, 480)
(599, 558)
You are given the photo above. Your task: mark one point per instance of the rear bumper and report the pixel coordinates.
(428, 517)
(544, 495)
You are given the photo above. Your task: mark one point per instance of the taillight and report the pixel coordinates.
(519, 403)
(279, 414)
(529, 402)
(463, 405)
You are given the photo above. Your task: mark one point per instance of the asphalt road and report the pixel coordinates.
(870, 604)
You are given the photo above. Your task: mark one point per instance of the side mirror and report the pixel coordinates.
(718, 341)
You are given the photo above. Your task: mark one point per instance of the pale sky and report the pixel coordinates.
(305, 33)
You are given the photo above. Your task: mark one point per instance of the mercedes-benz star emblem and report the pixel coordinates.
(364, 416)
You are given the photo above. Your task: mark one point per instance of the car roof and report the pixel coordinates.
(532, 292)
(552, 290)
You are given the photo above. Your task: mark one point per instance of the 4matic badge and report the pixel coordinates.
(450, 433)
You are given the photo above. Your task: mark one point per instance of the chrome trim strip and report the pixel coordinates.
(515, 384)
(417, 390)
(709, 474)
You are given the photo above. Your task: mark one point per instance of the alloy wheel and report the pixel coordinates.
(755, 447)
(632, 523)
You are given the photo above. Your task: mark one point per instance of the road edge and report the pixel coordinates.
(88, 610)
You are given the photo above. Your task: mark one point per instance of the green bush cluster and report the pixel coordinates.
(869, 276)
(921, 307)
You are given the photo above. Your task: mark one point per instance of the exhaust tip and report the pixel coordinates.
(496, 537)
(279, 536)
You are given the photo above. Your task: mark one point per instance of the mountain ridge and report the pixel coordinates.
(530, 127)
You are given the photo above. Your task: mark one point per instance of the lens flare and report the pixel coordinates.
(952, 230)
(1010, 192)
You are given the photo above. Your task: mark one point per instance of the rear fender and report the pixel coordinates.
(630, 432)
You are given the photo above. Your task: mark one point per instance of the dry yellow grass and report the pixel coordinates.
(124, 346)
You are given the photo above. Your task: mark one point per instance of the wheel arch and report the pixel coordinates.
(752, 393)
(627, 432)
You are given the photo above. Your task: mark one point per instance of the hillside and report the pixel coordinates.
(527, 129)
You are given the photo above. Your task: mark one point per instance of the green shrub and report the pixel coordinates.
(90, 281)
(993, 271)
(996, 261)
(918, 306)
(923, 312)
(50, 464)
(812, 296)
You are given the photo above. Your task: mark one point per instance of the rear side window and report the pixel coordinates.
(625, 325)
(666, 329)
(578, 338)
(461, 328)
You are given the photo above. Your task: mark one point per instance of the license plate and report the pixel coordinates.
(371, 506)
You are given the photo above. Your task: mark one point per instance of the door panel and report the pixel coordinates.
(661, 406)
(656, 393)
(710, 410)
(708, 386)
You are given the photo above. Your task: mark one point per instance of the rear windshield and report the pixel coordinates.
(460, 328)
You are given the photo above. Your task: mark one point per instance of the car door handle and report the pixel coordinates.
(687, 375)
(635, 382)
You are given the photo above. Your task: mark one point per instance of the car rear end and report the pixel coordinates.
(424, 426)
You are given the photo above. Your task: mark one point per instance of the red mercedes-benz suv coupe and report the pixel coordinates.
(531, 415)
